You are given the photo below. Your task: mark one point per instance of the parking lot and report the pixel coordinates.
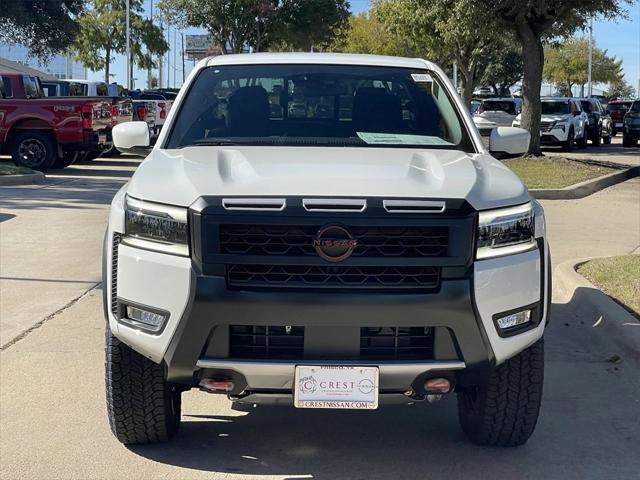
(52, 410)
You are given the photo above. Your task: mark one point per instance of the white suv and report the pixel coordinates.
(367, 250)
(563, 122)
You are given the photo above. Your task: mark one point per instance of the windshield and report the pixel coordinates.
(499, 106)
(329, 105)
(555, 108)
(635, 107)
(618, 107)
(586, 106)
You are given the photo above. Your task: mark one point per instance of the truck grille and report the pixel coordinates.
(546, 126)
(337, 277)
(376, 343)
(373, 242)
(396, 343)
(250, 341)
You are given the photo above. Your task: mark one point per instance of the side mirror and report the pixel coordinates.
(132, 138)
(507, 142)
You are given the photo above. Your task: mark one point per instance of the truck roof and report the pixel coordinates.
(318, 58)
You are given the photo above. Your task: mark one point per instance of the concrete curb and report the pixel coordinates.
(28, 179)
(586, 188)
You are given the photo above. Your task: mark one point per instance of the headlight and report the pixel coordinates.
(506, 231)
(154, 226)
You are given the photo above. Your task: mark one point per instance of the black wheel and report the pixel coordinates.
(567, 146)
(505, 412)
(582, 142)
(607, 140)
(65, 160)
(34, 150)
(596, 138)
(628, 142)
(142, 407)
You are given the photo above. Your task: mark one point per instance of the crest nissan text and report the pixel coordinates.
(324, 231)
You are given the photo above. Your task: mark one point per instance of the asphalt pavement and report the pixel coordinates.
(52, 410)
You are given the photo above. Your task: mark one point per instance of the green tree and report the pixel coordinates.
(103, 34)
(444, 31)
(566, 64)
(236, 24)
(504, 69)
(533, 22)
(366, 33)
(44, 27)
(620, 89)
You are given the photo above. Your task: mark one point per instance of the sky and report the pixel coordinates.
(620, 38)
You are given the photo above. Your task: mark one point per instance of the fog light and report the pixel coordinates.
(514, 319)
(150, 320)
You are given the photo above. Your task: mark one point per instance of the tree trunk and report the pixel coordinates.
(107, 62)
(533, 55)
(468, 82)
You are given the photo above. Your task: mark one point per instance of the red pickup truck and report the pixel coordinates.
(42, 133)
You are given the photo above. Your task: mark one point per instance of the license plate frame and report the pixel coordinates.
(342, 387)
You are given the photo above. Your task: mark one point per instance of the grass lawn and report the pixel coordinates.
(11, 169)
(618, 277)
(553, 172)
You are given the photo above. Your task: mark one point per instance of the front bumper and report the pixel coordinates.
(194, 342)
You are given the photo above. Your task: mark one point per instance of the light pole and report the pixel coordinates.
(128, 49)
(589, 83)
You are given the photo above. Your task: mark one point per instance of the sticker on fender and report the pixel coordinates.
(336, 386)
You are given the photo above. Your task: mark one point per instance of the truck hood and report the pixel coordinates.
(181, 176)
(555, 118)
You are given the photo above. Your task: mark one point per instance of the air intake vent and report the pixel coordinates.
(255, 204)
(334, 205)
(115, 244)
(268, 341)
(396, 343)
(413, 206)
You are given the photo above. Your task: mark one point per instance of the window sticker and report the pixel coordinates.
(400, 139)
(421, 77)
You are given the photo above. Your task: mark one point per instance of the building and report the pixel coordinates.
(58, 66)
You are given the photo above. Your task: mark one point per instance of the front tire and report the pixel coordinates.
(142, 407)
(505, 412)
(567, 146)
(582, 143)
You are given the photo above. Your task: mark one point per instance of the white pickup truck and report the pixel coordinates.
(367, 250)
(162, 104)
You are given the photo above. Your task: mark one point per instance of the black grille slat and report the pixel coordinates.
(373, 242)
(114, 272)
(352, 277)
(267, 342)
(396, 343)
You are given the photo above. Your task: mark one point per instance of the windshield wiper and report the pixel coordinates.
(212, 142)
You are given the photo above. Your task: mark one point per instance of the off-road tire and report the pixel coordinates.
(34, 149)
(567, 146)
(141, 406)
(505, 412)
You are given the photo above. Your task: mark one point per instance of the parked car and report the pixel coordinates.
(483, 92)
(617, 110)
(563, 122)
(40, 132)
(599, 126)
(501, 111)
(484, 126)
(631, 132)
(333, 262)
(162, 107)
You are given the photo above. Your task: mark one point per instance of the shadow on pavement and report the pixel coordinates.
(578, 433)
(74, 192)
